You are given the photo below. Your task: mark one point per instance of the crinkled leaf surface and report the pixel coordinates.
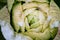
(54, 10)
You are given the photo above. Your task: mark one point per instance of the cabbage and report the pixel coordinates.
(34, 19)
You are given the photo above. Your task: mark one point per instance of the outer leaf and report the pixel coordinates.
(34, 0)
(54, 10)
(4, 1)
(10, 4)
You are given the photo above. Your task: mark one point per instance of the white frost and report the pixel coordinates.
(41, 17)
(7, 30)
(49, 18)
(20, 23)
(55, 24)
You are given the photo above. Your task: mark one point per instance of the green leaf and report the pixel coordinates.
(3, 1)
(10, 4)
